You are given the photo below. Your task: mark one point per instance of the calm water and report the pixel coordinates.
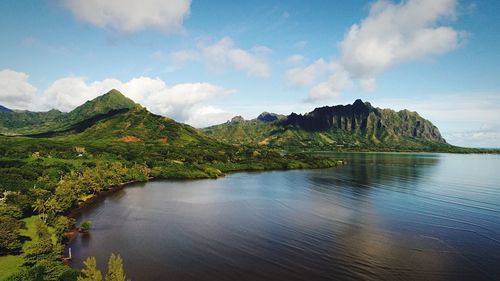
(381, 217)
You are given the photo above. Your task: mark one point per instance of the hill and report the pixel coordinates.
(353, 126)
(29, 123)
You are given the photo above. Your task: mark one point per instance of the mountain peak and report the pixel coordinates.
(112, 100)
(237, 119)
(267, 117)
(115, 93)
(358, 102)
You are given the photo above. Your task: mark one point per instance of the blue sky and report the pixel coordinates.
(202, 62)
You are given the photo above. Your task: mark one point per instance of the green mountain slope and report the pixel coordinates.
(139, 125)
(359, 125)
(27, 122)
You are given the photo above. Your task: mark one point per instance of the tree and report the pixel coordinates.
(61, 225)
(9, 235)
(90, 272)
(43, 249)
(11, 211)
(115, 269)
(40, 207)
(35, 273)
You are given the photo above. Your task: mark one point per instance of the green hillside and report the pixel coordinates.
(357, 126)
(27, 122)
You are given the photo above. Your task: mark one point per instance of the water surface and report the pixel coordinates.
(381, 217)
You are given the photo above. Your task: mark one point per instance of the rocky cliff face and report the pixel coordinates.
(375, 124)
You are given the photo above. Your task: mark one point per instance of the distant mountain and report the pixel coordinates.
(4, 109)
(357, 125)
(27, 122)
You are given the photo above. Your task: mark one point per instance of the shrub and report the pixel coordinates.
(85, 226)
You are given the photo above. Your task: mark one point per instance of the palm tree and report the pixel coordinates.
(40, 206)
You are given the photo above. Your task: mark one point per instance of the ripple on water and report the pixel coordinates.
(381, 217)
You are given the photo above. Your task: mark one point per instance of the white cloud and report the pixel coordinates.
(306, 76)
(131, 15)
(395, 33)
(368, 84)
(204, 116)
(389, 35)
(185, 102)
(67, 93)
(486, 136)
(295, 59)
(175, 101)
(224, 54)
(333, 87)
(15, 90)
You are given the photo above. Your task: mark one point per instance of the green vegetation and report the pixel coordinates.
(85, 226)
(70, 158)
(356, 127)
(27, 122)
(90, 271)
(29, 237)
(115, 270)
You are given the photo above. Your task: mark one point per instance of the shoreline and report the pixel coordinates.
(99, 196)
(102, 194)
(74, 212)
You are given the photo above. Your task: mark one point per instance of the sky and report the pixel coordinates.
(202, 62)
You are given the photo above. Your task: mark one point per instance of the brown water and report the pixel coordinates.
(381, 217)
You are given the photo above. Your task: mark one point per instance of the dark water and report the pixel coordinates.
(381, 217)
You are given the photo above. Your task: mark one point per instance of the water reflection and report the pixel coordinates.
(381, 217)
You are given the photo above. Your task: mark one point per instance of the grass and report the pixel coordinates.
(12, 263)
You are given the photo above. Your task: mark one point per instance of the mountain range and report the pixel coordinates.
(357, 125)
(353, 126)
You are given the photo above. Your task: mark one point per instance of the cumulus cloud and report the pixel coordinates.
(15, 90)
(391, 34)
(175, 101)
(306, 76)
(333, 87)
(395, 33)
(131, 15)
(185, 102)
(204, 116)
(224, 54)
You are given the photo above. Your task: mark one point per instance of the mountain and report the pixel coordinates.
(357, 125)
(136, 125)
(29, 123)
(112, 100)
(4, 109)
(110, 117)
(241, 131)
